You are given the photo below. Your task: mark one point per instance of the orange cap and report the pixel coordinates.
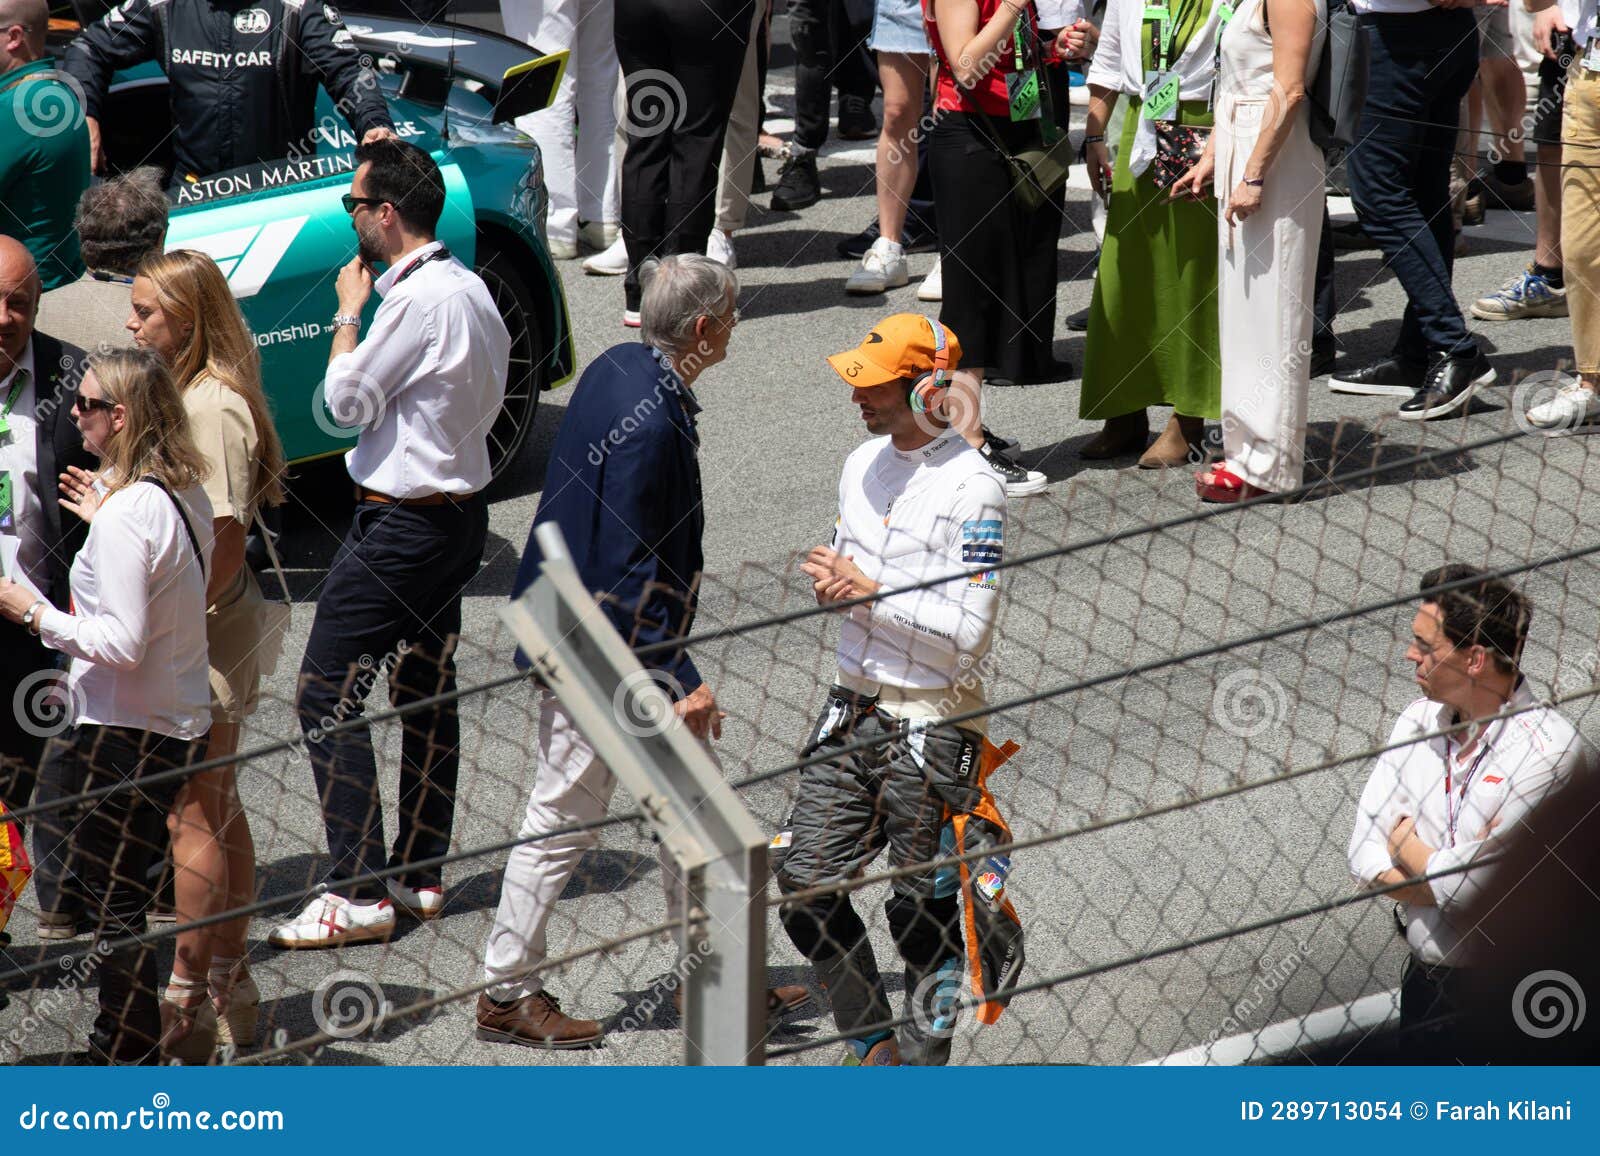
(899, 346)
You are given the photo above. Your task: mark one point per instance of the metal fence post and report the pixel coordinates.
(720, 849)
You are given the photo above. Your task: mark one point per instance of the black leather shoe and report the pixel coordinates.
(856, 121)
(1390, 377)
(1078, 322)
(1449, 386)
(915, 238)
(799, 187)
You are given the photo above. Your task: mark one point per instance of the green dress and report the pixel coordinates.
(1152, 336)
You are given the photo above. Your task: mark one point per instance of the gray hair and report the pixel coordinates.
(678, 291)
(122, 221)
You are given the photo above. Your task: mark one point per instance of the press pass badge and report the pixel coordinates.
(8, 519)
(1161, 95)
(1591, 55)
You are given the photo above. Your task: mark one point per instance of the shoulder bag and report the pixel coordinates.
(1340, 90)
(1038, 173)
(275, 613)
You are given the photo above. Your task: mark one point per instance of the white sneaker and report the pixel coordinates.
(1571, 407)
(883, 267)
(932, 287)
(331, 921)
(719, 247)
(561, 250)
(599, 235)
(423, 903)
(612, 262)
(630, 318)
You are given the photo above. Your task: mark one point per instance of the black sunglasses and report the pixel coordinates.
(89, 404)
(350, 201)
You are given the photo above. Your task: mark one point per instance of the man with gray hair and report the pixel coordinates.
(624, 487)
(120, 222)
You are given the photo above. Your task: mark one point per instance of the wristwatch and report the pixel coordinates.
(342, 319)
(30, 616)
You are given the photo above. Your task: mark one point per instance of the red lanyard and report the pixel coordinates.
(1452, 811)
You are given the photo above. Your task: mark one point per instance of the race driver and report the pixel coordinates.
(916, 502)
(243, 76)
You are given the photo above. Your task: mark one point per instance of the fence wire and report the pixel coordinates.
(1197, 703)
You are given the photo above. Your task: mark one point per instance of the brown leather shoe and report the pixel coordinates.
(1124, 434)
(534, 1021)
(1178, 445)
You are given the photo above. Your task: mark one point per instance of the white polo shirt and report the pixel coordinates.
(1514, 765)
(426, 383)
(22, 547)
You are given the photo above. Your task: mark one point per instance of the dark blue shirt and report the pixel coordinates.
(624, 487)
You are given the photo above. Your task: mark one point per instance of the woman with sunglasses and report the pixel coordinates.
(184, 312)
(137, 679)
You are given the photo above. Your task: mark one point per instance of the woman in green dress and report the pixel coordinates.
(1153, 322)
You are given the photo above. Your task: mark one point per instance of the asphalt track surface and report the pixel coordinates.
(1124, 903)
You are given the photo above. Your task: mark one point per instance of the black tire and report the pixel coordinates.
(526, 377)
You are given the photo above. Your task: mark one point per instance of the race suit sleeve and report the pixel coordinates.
(648, 603)
(127, 35)
(1383, 801)
(328, 49)
(958, 617)
(1529, 787)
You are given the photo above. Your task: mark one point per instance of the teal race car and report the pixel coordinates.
(280, 234)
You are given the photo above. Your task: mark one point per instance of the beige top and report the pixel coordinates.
(88, 313)
(226, 434)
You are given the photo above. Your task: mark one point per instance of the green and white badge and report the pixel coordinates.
(1161, 91)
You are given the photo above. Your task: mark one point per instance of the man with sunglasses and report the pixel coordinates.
(38, 440)
(423, 388)
(243, 80)
(1463, 769)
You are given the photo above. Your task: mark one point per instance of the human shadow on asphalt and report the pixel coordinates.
(346, 1005)
(651, 1008)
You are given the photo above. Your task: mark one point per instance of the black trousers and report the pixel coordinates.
(391, 605)
(1421, 65)
(681, 65)
(830, 46)
(113, 845)
(1430, 1014)
(999, 260)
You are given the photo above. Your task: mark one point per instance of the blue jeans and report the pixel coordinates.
(1422, 64)
(391, 604)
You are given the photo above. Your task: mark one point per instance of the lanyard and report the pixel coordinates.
(1224, 14)
(16, 392)
(438, 254)
(1166, 24)
(1452, 810)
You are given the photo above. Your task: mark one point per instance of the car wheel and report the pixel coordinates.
(526, 376)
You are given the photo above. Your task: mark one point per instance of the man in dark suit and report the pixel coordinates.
(38, 439)
(624, 487)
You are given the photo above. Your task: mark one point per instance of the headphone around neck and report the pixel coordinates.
(928, 392)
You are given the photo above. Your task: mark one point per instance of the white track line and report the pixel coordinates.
(1285, 1039)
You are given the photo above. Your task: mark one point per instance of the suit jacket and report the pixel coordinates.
(624, 486)
(88, 313)
(59, 368)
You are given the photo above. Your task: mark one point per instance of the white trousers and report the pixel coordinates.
(571, 785)
(739, 144)
(575, 132)
(1266, 282)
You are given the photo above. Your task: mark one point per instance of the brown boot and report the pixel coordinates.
(534, 1021)
(1124, 434)
(1178, 445)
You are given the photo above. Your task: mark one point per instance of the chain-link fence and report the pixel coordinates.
(1197, 704)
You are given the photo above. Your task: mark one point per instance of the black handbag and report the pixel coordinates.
(1178, 149)
(1340, 90)
(1038, 173)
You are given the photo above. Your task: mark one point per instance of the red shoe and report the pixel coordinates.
(1220, 484)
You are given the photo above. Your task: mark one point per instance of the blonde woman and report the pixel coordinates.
(137, 681)
(183, 311)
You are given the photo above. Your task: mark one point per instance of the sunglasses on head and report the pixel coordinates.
(89, 404)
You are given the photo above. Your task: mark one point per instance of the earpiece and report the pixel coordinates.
(928, 391)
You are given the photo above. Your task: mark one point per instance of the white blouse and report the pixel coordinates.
(137, 631)
(1122, 70)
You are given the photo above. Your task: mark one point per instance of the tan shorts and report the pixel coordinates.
(233, 635)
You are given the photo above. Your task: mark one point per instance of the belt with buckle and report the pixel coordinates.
(365, 495)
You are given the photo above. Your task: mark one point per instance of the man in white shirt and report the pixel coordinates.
(916, 503)
(1438, 803)
(424, 387)
(38, 440)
